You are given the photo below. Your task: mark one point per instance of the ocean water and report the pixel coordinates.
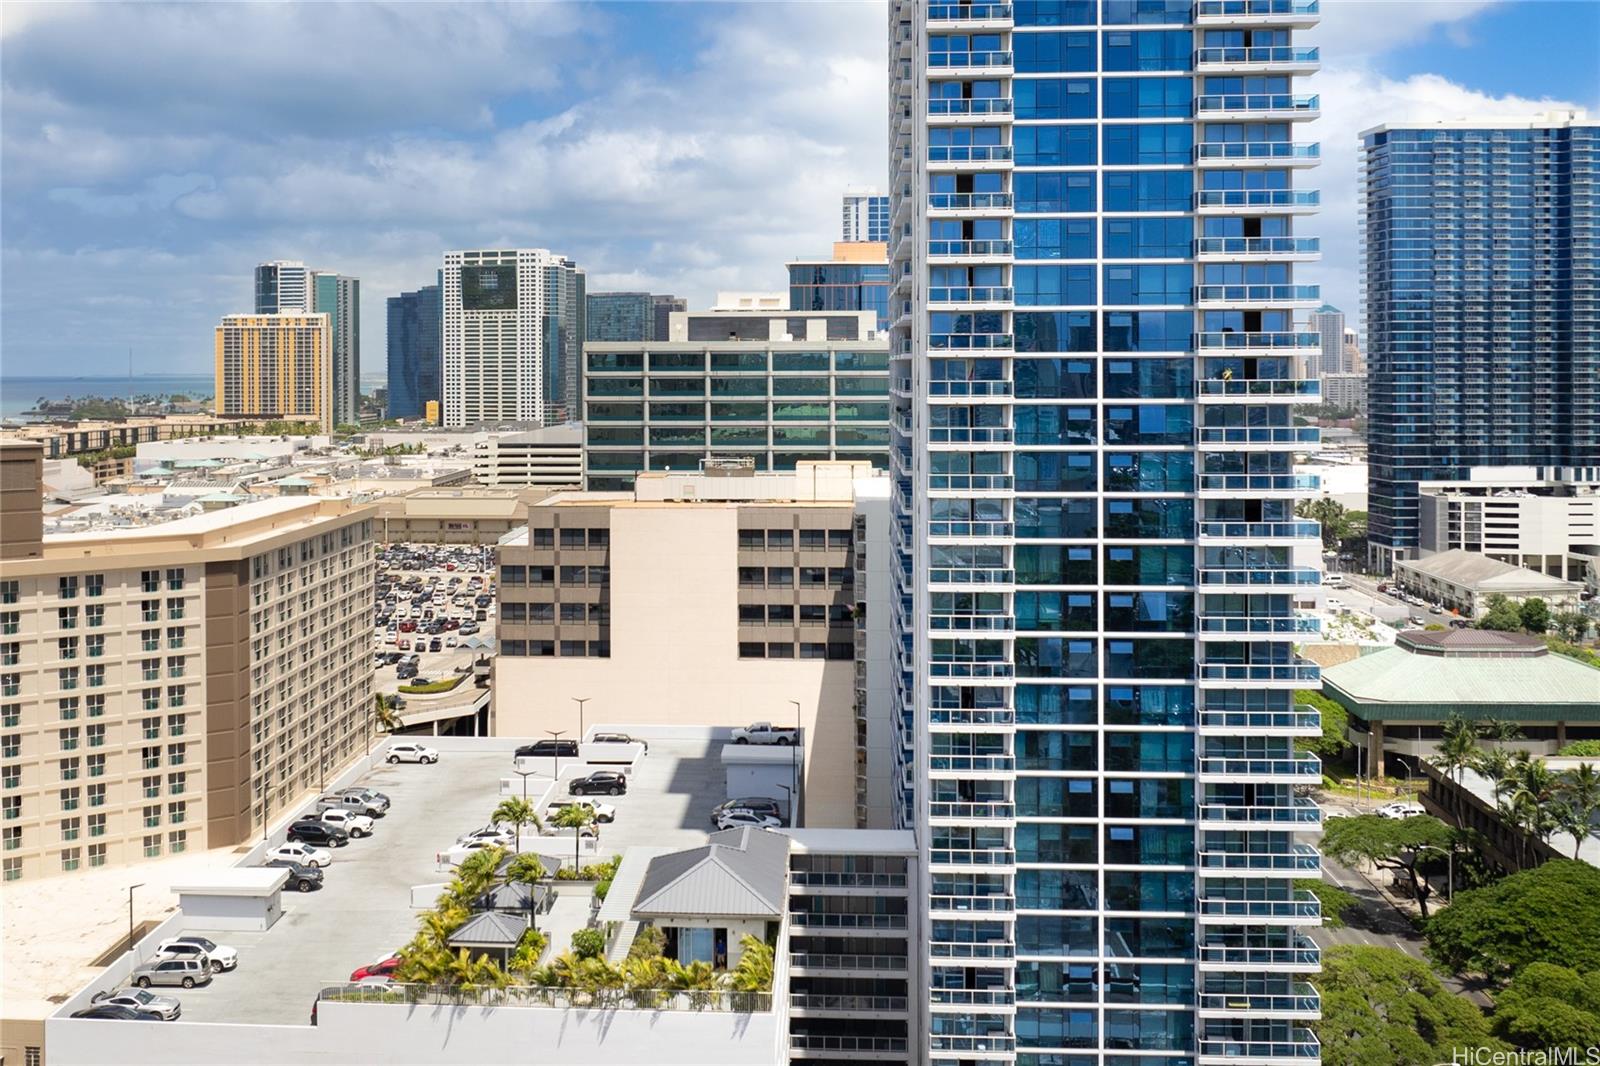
(22, 393)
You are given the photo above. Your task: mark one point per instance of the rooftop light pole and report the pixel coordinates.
(130, 915)
(794, 774)
(580, 702)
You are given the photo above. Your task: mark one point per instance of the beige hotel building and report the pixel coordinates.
(176, 686)
(277, 366)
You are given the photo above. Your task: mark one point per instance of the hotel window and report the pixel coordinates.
(11, 745)
(10, 622)
(69, 769)
(152, 846)
(177, 812)
(95, 645)
(67, 677)
(70, 858)
(152, 816)
(97, 825)
(97, 854)
(94, 615)
(9, 592)
(66, 648)
(150, 640)
(175, 580)
(96, 706)
(67, 588)
(11, 653)
(149, 581)
(13, 872)
(176, 723)
(94, 585)
(178, 841)
(96, 735)
(68, 738)
(176, 783)
(11, 807)
(11, 776)
(175, 754)
(95, 675)
(97, 766)
(97, 795)
(70, 828)
(69, 798)
(174, 608)
(67, 617)
(175, 636)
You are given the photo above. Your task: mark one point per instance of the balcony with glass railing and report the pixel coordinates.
(1297, 813)
(1287, 999)
(941, 64)
(969, 153)
(1293, 768)
(1247, 249)
(969, 575)
(1261, 579)
(969, 201)
(1294, 438)
(985, 858)
(993, 951)
(811, 960)
(1257, 201)
(943, 904)
(1257, 12)
(1257, 60)
(985, 812)
(972, 530)
(1302, 908)
(957, 109)
(1298, 1046)
(821, 1003)
(1301, 721)
(1220, 626)
(976, 294)
(987, 249)
(988, 15)
(1261, 343)
(972, 623)
(1296, 673)
(990, 1043)
(1276, 154)
(967, 390)
(1291, 107)
(1299, 953)
(970, 482)
(972, 997)
(1257, 484)
(966, 717)
(1291, 860)
(1234, 296)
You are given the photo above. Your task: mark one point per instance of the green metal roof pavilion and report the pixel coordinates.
(1397, 685)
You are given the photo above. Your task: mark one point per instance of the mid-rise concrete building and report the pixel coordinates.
(173, 686)
(718, 599)
(551, 457)
(276, 366)
(1515, 515)
(513, 336)
(854, 278)
(1348, 391)
(749, 380)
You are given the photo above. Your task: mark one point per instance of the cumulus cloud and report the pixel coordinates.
(153, 159)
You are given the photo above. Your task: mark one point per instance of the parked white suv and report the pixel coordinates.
(407, 751)
(198, 947)
(357, 825)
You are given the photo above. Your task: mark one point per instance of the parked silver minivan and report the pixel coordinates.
(183, 972)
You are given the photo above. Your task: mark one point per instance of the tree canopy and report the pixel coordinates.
(1535, 614)
(1335, 721)
(1381, 1007)
(1503, 615)
(1549, 1006)
(1390, 843)
(1550, 913)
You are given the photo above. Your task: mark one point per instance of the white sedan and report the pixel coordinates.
(461, 852)
(406, 751)
(301, 853)
(357, 825)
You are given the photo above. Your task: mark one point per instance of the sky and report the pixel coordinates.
(152, 154)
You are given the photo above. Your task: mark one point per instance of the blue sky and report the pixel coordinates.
(151, 154)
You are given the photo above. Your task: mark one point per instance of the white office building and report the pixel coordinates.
(513, 334)
(551, 457)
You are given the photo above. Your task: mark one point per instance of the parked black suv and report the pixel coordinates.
(312, 831)
(599, 783)
(547, 748)
(302, 878)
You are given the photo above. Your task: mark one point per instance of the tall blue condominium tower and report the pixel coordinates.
(1097, 346)
(414, 351)
(1481, 251)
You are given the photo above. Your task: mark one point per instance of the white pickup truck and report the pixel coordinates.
(765, 733)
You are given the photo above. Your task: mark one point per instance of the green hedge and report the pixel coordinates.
(433, 686)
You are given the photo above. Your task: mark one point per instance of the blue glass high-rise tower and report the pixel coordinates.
(1098, 344)
(1480, 244)
(415, 354)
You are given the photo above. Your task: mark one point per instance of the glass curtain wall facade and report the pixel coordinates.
(414, 351)
(1095, 360)
(1479, 247)
(830, 285)
(619, 317)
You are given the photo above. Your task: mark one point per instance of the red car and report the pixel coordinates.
(385, 968)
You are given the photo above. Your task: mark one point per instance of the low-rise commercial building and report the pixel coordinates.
(551, 457)
(466, 515)
(63, 439)
(1399, 698)
(748, 380)
(718, 599)
(1543, 520)
(173, 686)
(1463, 581)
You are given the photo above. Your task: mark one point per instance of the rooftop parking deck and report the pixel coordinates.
(367, 909)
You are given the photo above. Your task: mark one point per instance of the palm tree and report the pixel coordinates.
(385, 713)
(1494, 764)
(1457, 750)
(516, 812)
(524, 870)
(1580, 802)
(574, 817)
(1532, 787)
(753, 971)
(477, 873)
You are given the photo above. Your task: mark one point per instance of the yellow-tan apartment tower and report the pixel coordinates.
(171, 687)
(276, 366)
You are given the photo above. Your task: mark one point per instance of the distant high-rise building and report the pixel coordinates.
(619, 317)
(864, 216)
(415, 337)
(275, 366)
(339, 297)
(1479, 243)
(1098, 572)
(855, 279)
(283, 285)
(1351, 360)
(1327, 322)
(513, 332)
(662, 307)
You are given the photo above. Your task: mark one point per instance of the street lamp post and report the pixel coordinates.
(556, 734)
(795, 777)
(130, 914)
(580, 702)
(524, 774)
